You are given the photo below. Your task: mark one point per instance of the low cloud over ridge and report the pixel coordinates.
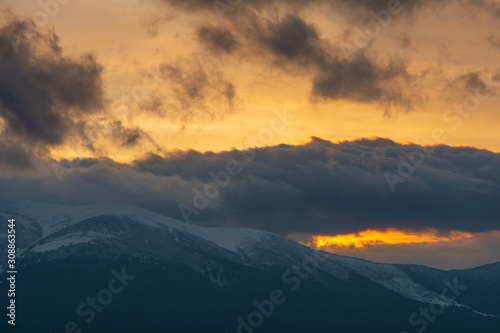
(318, 188)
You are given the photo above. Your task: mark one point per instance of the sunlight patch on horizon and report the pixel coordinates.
(389, 236)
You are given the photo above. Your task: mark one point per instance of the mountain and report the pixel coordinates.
(120, 268)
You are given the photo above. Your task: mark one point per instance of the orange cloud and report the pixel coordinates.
(389, 236)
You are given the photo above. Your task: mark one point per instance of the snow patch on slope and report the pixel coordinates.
(393, 279)
(68, 240)
(62, 242)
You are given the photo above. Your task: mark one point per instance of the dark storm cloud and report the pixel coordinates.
(323, 187)
(319, 187)
(217, 39)
(230, 8)
(360, 79)
(376, 4)
(41, 90)
(46, 99)
(293, 39)
(210, 5)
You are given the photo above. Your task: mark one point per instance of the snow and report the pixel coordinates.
(53, 218)
(245, 242)
(484, 314)
(58, 243)
(67, 240)
(393, 279)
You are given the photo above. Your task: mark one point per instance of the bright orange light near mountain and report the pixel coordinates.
(389, 236)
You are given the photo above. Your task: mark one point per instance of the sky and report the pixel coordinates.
(365, 128)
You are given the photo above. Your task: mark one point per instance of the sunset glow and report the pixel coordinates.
(390, 236)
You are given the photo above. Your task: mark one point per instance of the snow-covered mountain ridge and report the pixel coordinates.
(54, 231)
(53, 218)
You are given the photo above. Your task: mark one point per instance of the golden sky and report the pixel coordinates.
(437, 44)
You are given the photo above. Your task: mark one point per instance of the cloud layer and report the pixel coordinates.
(316, 188)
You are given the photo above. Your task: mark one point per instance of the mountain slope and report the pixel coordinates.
(232, 267)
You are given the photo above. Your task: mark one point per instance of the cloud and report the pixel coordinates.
(153, 18)
(282, 31)
(410, 5)
(470, 83)
(359, 79)
(364, 81)
(41, 90)
(190, 5)
(280, 34)
(494, 41)
(128, 137)
(316, 188)
(14, 157)
(217, 39)
(195, 93)
(293, 39)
